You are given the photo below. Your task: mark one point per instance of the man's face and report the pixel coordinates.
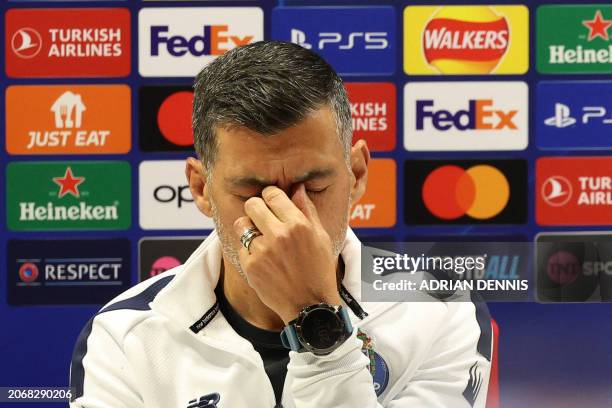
(309, 152)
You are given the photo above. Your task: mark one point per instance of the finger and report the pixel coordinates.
(280, 204)
(302, 201)
(263, 218)
(241, 225)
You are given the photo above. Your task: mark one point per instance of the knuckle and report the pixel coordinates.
(251, 203)
(272, 193)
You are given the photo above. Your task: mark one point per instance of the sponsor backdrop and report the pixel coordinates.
(487, 122)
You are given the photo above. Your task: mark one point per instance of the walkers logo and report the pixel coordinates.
(60, 271)
(158, 254)
(165, 199)
(178, 42)
(84, 119)
(68, 195)
(574, 267)
(441, 116)
(71, 42)
(165, 118)
(377, 207)
(373, 111)
(574, 191)
(354, 40)
(574, 115)
(465, 40)
(465, 192)
(582, 46)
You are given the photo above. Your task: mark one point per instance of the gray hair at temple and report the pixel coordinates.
(266, 86)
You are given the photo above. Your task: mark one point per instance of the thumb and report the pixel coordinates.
(304, 203)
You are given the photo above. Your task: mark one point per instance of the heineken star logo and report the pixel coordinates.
(598, 26)
(68, 184)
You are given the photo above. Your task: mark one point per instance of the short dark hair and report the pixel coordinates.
(266, 86)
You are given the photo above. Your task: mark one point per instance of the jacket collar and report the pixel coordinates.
(191, 294)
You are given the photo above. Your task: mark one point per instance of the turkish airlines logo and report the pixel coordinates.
(557, 191)
(26, 43)
(67, 42)
(574, 190)
(373, 113)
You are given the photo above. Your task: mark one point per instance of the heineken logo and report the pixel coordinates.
(69, 196)
(598, 27)
(68, 183)
(583, 46)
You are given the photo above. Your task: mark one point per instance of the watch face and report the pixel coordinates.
(321, 328)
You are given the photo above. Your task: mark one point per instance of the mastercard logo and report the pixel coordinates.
(480, 192)
(174, 118)
(461, 40)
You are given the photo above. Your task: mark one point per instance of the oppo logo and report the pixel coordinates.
(170, 194)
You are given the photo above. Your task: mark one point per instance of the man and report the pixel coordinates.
(266, 312)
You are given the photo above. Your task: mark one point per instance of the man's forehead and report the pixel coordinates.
(253, 180)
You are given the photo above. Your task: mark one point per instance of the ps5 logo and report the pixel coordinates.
(369, 40)
(563, 116)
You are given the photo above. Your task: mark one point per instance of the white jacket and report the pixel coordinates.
(163, 344)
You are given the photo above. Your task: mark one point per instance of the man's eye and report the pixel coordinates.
(314, 191)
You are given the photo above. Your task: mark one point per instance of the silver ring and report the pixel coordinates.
(248, 236)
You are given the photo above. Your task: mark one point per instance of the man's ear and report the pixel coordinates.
(196, 178)
(360, 157)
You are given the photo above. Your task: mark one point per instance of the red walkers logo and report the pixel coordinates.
(460, 40)
(373, 112)
(574, 191)
(67, 42)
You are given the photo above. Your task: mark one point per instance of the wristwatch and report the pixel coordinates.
(319, 328)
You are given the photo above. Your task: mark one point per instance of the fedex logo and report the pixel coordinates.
(213, 41)
(354, 40)
(469, 116)
(480, 115)
(178, 42)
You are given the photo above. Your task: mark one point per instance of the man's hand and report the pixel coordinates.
(291, 265)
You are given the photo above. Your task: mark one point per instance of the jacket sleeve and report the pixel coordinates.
(453, 373)
(100, 375)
